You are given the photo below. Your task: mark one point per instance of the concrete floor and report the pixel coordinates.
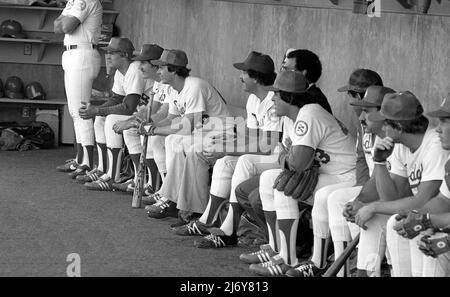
(45, 216)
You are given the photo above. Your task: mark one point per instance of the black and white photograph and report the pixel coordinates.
(226, 146)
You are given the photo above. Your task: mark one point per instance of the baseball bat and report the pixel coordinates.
(140, 175)
(333, 270)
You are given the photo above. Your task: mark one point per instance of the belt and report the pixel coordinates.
(75, 46)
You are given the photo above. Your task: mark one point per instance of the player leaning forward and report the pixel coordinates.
(80, 21)
(196, 113)
(425, 228)
(317, 138)
(417, 167)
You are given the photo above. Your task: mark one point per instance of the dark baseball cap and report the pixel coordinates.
(149, 52)
(402, 106)
(290, 81)
(360, 80)
(443, 111)
(257, 62)
(119, 44)
(173, 57)
(373, 97)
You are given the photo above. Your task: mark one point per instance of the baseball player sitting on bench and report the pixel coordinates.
(316, 139)
(258, 138)
(417, 167)
(162, 94)
(425, 228)
(127, 88)
(201, 112)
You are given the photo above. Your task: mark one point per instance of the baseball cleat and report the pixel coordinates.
(274, 267)
(163, 209)
(305, 269)
(81, 170)
(69, 166)
(123, 187)
(90, 176)
(100, 185)
(193, 228)
(217, 239)
(263, 255)
(148, 189)
(150, 200)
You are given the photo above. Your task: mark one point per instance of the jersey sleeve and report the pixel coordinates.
(307, 130)
(252, 122)
(80, 9)
(434, 162)
(135, 82)
(195, 100)
(118, 85)
(397, 166)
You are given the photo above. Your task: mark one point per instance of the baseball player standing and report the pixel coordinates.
(417, 167)
(424, 229)
(80, 21)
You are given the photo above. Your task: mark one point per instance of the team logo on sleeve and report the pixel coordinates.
(80, 5)
(301, 128)
(272, 115)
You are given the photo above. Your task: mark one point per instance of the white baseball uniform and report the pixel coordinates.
(425, 164)
(82, 63)
(260, 115)
(335, 150)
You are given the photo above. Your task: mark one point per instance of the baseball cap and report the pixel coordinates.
(257, 62)
(119, 44)
(373, 97)
(173, 57)
(444, 109)
(11, 28)
(402, 106)
(360, 80)
(149, 52)
(290, 81)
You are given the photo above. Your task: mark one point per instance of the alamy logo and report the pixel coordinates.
(74, 267)
(374, 8)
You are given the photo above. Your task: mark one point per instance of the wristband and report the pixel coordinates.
(380, 163)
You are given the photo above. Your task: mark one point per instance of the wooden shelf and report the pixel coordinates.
(26, 7)
(28, 101)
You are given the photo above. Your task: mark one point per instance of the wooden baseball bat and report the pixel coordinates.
(140, 175)
(333, 270)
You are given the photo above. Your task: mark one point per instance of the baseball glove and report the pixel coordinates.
(434, 246)
(298, 185)
(411, 225)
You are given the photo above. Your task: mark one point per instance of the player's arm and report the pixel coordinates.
(185, 126)
(368, 192)
(161, 114)
(299, 158)
(126, 107)
(426, 191)
(256, 142)
(362, 170)
(66, 24)
(439, 204)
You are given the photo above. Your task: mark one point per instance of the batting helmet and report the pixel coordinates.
(11, 28)
(35, 91)
(14, 88)
(1, 89)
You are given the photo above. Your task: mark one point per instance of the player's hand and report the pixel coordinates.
(435, 246)
(213, 147)
(364, 214)
(412, 224)
(120, 126)
(350, 210)
(87, 111)
(146, 128)
(383, 149)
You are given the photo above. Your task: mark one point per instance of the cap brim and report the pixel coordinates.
(158, 63)
(438, 114)
(108, 49)
(141, 58)
(376, 117)
(240, 66)
(362, 103)
(344, 89)
(272, 88)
